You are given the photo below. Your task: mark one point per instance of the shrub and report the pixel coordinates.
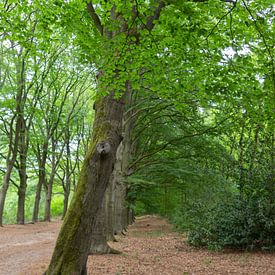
(189, 216)
(245, 223)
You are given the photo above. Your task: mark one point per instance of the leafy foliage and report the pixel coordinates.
(246, 223)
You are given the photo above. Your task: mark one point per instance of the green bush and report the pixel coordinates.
(189, 216)
(245, 223)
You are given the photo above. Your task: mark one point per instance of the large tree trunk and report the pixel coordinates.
(74, 240)
(120, 193)
(109, 211)
(99, 243)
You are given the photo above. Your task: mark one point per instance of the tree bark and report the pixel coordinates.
(22, 171)
(74, 240)
(4, 190)
(41, 182)
(99, 243)
(22, 192)
(41, 159)
(109, 211)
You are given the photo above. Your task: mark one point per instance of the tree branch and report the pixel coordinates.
(150, 20)
(95, 17)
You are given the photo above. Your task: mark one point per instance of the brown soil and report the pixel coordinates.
(149, 247)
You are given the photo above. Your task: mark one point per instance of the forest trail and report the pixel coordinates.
(150, 247)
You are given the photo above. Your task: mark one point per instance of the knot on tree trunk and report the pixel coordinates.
(103, 148)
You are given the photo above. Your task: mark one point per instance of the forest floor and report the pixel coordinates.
(150, 247)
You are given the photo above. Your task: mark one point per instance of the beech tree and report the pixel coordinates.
(193, 58)
(124, 33)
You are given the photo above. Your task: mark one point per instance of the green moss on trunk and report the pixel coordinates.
(74, 240)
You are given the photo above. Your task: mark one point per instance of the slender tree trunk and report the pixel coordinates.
(271, 182)
(253, 154)
(4, 190)
(48, 200)
(41, 159)
(67, 185)
(75, 237)
(49, 186)
(66, 198)
(241, 160)
(40, 184)
(22, 170)
(22, 193)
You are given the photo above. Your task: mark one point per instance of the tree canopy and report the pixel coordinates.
(182, 98)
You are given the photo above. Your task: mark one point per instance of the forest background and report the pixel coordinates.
(201, 118)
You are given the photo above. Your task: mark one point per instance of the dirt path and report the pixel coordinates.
(150, 248)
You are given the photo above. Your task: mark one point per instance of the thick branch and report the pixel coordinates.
(95, 17)
(150, 21)
(161, 4)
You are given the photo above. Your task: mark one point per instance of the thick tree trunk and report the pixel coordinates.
(74, 240)
(99, 243)
(120, 190)
(109, 211)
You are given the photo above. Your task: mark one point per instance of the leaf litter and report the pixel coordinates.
(150, 247)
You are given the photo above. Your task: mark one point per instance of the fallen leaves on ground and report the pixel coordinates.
(150, 247)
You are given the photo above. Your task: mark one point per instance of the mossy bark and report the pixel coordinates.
(74, 240)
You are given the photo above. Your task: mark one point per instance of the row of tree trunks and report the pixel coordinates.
(115, 214)
(75, 238)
